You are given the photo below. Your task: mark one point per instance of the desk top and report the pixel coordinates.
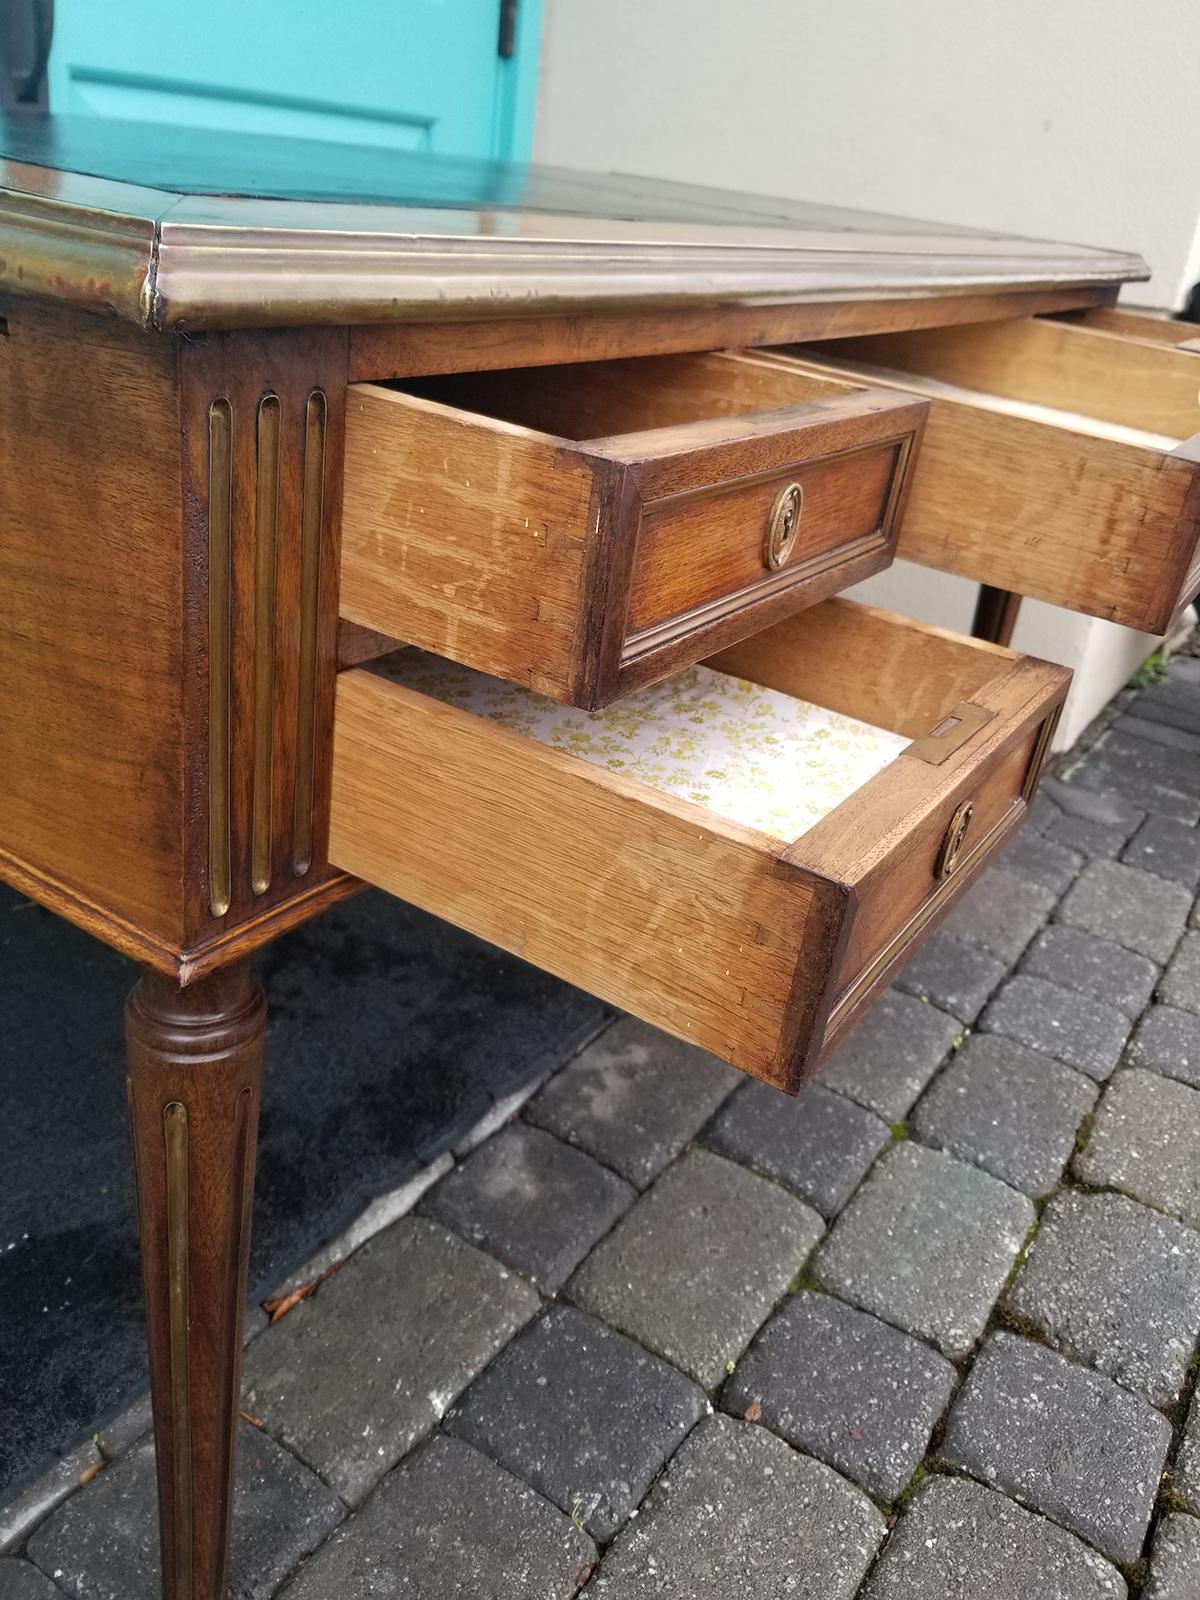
(182, 228)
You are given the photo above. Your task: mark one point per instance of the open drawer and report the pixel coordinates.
(1060, 461)
(1143, 325)
(741, 869)
(587, 529)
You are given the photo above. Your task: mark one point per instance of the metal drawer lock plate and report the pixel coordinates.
(956, 835)
(951, 733)
(783, 526)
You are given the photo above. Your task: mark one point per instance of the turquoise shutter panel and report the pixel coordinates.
(401, 74)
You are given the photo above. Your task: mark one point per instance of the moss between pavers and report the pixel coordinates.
(1022, 1254)
(1135, 1573)
(1003, 1317)
(1083, 1134)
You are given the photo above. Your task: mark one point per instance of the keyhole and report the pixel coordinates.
(783, 525)
(956, 834)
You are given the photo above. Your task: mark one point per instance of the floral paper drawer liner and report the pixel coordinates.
(748, 754)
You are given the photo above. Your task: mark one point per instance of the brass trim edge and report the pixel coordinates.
(220, 515)
(165, 260)
(312, 518)
(212, 276)
(84, 254)
(175, 1151)
(266, 534)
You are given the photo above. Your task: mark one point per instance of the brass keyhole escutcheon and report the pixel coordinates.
(956, 834)
(783, 526)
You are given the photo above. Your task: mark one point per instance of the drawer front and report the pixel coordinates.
(584, 567)
(1060, 461)
(703, 557)
(760, 950)
(907, 848)
(913, 880)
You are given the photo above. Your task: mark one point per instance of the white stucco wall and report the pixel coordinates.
(1077, 120)
(1101, 655)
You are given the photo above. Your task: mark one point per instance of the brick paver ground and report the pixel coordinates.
(931, 1329)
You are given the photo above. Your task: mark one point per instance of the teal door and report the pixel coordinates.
(454, 76)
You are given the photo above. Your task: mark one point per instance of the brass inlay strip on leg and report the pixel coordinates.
(311, 518)
(220, 511)
(266, 521)
(240, 1202)
(175, 1139)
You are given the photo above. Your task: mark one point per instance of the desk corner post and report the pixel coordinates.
(194, 1078)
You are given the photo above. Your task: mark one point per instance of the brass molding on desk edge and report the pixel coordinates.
(185, 965)
(203, 285)
(143, 259)
(77, 263)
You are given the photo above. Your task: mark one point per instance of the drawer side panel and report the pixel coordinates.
(694, 928)
(1091, 516)
(463, 537)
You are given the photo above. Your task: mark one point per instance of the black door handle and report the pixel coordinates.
(25, 34)
(507, 44)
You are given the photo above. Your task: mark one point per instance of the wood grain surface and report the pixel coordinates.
(1066, 508)
(1081, 369)
(195, 1075)
(1138, 325)
(529, 523)
(91, 653)
(407, 349)
(723, 936)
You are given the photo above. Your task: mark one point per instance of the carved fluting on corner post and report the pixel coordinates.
(263, 442)
(195, 1069)
(274, 651)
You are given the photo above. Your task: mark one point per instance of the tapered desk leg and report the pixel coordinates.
(195, 1069)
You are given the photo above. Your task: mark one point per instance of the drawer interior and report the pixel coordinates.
(1058, 462)
(742, 751)
(737, 867)
(1138, 325)
(597, 400)
(1081, 370)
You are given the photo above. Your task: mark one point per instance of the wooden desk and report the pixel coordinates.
(424, 401)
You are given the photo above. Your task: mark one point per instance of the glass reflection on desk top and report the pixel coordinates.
(210, 162)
